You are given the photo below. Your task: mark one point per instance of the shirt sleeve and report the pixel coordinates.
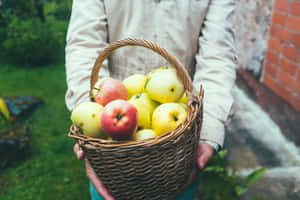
(215, 68)
(86, 37)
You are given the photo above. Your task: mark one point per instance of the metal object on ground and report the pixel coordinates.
(14, 145)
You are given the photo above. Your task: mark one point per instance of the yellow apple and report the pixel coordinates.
(184, 99)
(146, 100)
(184, 106)
(167, 117)
(160, 69)
(135, 84)
(164, 86)
(87, 116)
(144, 116)
(144, 134)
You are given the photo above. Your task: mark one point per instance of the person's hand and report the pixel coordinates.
(204, 154)
(92, 176)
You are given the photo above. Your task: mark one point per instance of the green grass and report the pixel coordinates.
(51, 171)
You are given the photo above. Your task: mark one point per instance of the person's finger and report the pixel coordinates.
(97, 182)
(78, 151)
(205, 153)
(202, 160)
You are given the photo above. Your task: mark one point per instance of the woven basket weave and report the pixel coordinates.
(156, 168)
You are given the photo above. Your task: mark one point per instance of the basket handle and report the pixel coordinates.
(181, 71)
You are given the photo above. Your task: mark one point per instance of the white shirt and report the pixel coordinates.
(198, 32)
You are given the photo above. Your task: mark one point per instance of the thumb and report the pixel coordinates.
(78, 152)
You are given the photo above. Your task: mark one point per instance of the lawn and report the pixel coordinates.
(51, 171)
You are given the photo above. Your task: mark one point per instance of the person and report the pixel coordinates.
(198, 32)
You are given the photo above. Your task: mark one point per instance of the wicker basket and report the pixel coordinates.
(156, 168)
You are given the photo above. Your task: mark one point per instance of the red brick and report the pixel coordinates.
(295, 8)
(271, 70)
(290, 52)
(293, 23)
(273, 30)
(296, 87)
(274, 44)
(272, 57)
(278, 19)
(296, 39)
(281, 5)
(269, 82)
(286, 80)
(283, 34)
(298, 74)
(288, 66)
(295, 101)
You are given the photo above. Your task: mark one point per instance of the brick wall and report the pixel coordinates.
(282, 59)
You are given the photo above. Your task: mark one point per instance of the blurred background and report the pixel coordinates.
(261, 159)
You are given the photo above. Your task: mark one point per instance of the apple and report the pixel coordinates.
(108, 90)
(164, 86)
(146, 100)
(135, 84)
(184, 99)
(119, 119)
(86, 116)
(160, 69)
(144, 134)
(184, 106)
(144, 114)
(167, 117)
(97, 85)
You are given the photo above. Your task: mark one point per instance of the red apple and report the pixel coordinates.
(119, 120)
(107, 90)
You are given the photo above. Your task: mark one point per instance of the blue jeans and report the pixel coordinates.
(189, 194)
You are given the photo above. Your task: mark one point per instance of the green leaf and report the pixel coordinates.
(254, 176)
(240, 190)
(222, 154)
(214, 169)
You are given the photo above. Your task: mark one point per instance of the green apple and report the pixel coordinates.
(144, 134)
(87, 116)
(135, 84)
(167, 117)
(164, 86)
(146, 100)
(184, 99)
(144, 116)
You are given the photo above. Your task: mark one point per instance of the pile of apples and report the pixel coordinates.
(140, 107)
